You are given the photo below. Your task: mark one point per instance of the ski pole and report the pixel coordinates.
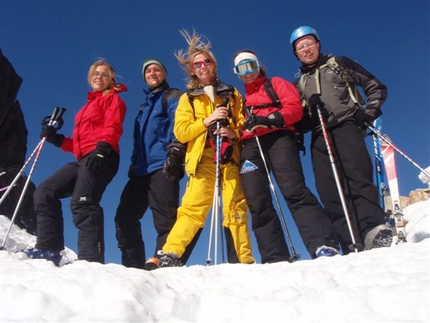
(294, 255)
(216, 204)
(336, 176)
(377, 133)
(213, 235)
(9, 188)
(56, 115)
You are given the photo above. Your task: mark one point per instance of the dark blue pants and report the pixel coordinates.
(85, 189)
(162, 197)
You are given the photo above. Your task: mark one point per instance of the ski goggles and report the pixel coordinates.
(199, 64)
(245, 67)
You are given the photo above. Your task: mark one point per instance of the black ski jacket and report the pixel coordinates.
(334, 89)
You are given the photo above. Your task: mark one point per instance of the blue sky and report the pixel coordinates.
(52, 44)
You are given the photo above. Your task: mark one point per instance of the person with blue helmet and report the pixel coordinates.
(269, 140)
(330, 83)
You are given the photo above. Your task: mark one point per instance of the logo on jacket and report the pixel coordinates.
(248, 167)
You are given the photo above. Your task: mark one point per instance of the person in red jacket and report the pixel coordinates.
(272, 123)
(98, 128)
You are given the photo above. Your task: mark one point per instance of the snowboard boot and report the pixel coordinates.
(152, 263)
(169, 260)
(379, 237)
(325, 251)
(50, 255)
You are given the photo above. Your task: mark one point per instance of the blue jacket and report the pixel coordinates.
(153, 130)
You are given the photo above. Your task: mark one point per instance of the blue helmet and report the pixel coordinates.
(301, 32)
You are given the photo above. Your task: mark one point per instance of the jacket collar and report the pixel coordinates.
(254, 86)
(162, 87)
(304, 69)
(116, 88)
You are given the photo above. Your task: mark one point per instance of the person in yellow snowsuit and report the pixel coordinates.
(207, 102)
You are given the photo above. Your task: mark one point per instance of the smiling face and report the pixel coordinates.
(100, 78)
(154, 75)
(204, 68)
(249, 77)
(307, 50)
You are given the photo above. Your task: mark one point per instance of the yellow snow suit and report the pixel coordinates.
(201, 170)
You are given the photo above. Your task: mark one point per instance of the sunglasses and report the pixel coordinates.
(102, 75)
(247, 66)
(199, 64)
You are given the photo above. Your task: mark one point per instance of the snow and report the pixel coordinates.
(380, 285)
(423, 176)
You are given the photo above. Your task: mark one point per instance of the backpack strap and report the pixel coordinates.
(352, 89)
(354, 93)
(268, 87)
(169, 93)
(271, 93)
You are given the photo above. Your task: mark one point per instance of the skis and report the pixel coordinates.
(379, 168)
(391, 173)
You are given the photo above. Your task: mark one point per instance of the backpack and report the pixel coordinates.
(353, 91)
(223, 92)
(170, 93)
(298, 135)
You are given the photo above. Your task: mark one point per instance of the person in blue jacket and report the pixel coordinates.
(155, 171)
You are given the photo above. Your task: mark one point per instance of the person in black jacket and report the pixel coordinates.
(331, 85)
(13, 147)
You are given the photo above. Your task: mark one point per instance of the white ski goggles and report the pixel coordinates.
(245, 67)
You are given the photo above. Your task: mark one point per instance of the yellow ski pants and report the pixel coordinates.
(197, 202)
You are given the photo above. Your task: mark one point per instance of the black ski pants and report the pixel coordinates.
(85, 187)
(282, 156)
(355, 170)
(156, 192)
(162, 197)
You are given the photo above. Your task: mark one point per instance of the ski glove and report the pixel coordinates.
(96, 160)
(50, 133)
(173, 165)
(366, 116)
(315, 101)
(273, 120)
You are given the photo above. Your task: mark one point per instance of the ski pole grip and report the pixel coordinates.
(58, 118)
(224, 102)
(53, 115)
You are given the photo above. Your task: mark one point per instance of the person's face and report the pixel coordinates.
(154, 75)
(307, 50)
(247, 70)
(249, 77)
(203, 67)
(100, 79)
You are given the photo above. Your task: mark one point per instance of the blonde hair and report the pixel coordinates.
(110, 71)
(197, 44)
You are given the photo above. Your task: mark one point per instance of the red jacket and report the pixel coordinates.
(292, 109)
(99, 120)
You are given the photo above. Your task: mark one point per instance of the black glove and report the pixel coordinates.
(58, 122)
(50, 133)
(173, 165)
(96, 160)
(273, 120)
(315, 101)
(366, 116)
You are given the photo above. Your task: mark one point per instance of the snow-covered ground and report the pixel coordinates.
(380, 285)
